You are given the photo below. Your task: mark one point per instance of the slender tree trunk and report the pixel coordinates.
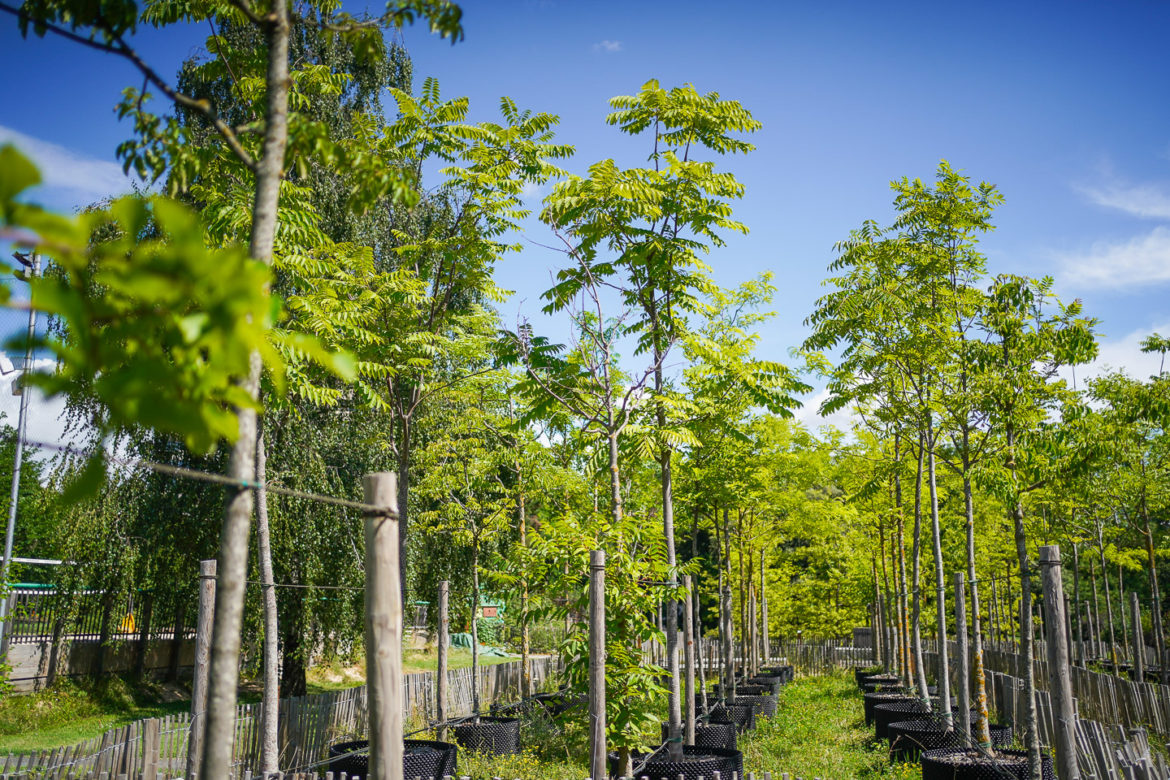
(405, 454)
(1095, 615)
(475, 628)
(525, 647)
(224, 670)
(916, 582)
(944, 667)
(1155, 599)
(1031, 735)
(270, 704)
(982, 733)
(1108, 602)
(903, 606)
(1121, 608)
(1080, 640)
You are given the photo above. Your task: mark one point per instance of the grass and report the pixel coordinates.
(819, 731)
(70, 712)
(339, 675)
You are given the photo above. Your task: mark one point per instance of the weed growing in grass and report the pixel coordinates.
(526, 765)
(819, 731)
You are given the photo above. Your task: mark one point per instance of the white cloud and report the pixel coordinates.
(809, 414)
(1147, 201)
(607, 46)
(1140, 260)
(85, 178)
(44, 415)
(1123, 354)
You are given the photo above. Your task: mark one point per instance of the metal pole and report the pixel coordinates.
(21, 423)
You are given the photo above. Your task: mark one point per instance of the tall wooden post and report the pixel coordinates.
(964, 681)
(689, 663)
(383, 627)
(444, 640)
(1059, 683)
(1139, 641)
(598, 769)
(207, 570)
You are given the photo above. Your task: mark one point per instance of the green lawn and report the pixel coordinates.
(74, 711)
(819, 731)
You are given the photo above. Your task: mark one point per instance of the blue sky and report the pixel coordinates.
(1062, 105)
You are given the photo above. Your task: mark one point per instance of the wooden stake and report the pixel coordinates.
(1064, 716)
(598, 769)
(207, 571)
(689, 662)
(383, 627)
(441, 673)
(767, 643)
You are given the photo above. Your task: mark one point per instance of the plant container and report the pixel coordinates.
(711, 735)
(743, 716)
(770, 684)
(421, 758)
(872, 700)
(861, 672)
(697, 762)
(972, 764)
(766, 704)
(909, 738)
(494, 736)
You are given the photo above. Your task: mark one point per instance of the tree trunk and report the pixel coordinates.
(270, 704)
(982, 732)
(1155, 599)
(1031, 735)
(1108, 603)
(916, 618)
(944, 673)
(1080, 638)
(233, 553)
(405, 453)
(475, 629)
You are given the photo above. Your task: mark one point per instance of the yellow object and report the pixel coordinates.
(127, 624)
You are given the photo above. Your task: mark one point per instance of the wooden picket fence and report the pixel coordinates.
(1106, 747)
(157, 747)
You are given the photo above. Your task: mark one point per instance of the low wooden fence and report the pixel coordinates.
(156, 749)
(1110, 744)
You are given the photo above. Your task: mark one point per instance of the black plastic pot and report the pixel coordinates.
(969, 764)
(769, 684)
(495, 736)
(743, 690)
(698, 762)
(890, 712)
(785, 672)
(743, 716)
(711, 735)
(871, 700)
(860, 672)
(561, 702)
(765, 703)
(909, 738)
(422, 758)
(868, 682)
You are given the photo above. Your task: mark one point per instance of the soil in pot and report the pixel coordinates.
(711, 735)
(495, 736)
(969, 764)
